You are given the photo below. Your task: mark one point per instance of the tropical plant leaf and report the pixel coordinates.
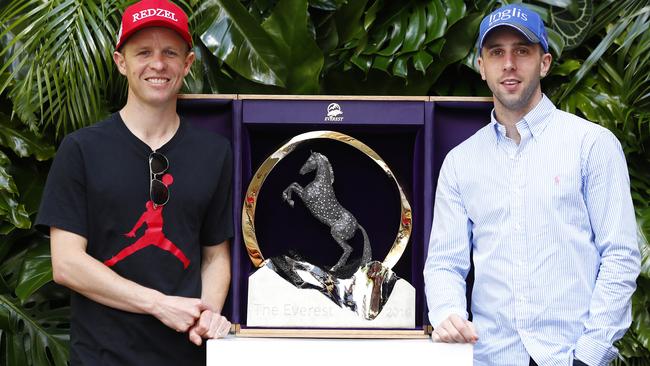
(329, 5)
(454, 10)
(14, 212)
(202, 16)
(641, 312)
(54, 81)
(32, 335)
(382, 63)
(4, 289)
(287, 26)
(422, 60)
(30, 179)
(237, 39)
(566, 67)
(594, 57)
(573, 22)
(642, 219)
(6, 180)
(36, 270)
(609, 12)
(416, 31)
(25, 143)
(558, 3)
(394, 30)
(460, 39)
(262, 53)
(555, 41)
(371, 14)
(436, 21)
(349, 21)
(409, 30)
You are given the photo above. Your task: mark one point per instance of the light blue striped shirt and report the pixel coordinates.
(551, 226)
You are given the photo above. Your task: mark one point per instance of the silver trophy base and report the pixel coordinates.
(274, 302)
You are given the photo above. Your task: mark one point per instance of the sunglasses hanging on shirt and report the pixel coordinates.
(158, 191)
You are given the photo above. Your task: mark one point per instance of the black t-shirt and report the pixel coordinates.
(98, 187)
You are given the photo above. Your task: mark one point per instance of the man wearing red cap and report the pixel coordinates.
(538, 201)
(148, 260)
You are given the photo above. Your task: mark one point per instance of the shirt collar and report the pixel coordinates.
(535, 120)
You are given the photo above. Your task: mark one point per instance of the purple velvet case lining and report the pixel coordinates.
(412, 137)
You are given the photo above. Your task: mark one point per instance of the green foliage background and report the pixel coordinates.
(57, 75)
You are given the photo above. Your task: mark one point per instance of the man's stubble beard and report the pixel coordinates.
(523, 102)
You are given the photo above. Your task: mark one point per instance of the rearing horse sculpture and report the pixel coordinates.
(321, 201)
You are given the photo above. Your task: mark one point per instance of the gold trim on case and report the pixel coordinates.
(254, 187)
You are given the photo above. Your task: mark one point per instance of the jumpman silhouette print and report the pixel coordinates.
(153, 235)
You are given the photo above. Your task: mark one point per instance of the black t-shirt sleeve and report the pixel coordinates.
(64, 197)
(217, 224)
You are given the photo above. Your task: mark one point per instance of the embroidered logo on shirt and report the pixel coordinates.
(557, 180)
(153, 235)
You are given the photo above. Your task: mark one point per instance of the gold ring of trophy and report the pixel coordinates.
(250, 202)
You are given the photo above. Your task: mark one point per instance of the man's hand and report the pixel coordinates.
(210, 325)
(455, 329)
(178, 313)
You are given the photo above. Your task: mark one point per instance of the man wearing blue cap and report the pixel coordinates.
(539, 202)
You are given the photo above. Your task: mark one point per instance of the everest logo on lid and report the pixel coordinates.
(334, 113)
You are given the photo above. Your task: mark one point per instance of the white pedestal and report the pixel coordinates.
(329, 352)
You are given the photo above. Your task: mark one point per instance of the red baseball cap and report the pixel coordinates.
(153, 13)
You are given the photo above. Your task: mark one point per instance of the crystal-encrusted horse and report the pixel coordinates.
(321, 201)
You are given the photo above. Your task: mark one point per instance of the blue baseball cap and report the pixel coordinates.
(519, 17)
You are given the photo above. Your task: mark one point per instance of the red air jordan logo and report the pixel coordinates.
(153, 235)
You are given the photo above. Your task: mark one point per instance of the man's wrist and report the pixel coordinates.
(437, 317)
(151, 302)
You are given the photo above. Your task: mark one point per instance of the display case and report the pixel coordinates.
(411, 134)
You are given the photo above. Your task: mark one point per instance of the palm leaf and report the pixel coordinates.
(608, 12)
(593, 58)
(63, 60)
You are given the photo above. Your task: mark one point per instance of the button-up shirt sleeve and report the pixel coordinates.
(608, 201)
(448, 260)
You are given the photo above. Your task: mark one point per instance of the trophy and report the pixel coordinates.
(287, 291)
